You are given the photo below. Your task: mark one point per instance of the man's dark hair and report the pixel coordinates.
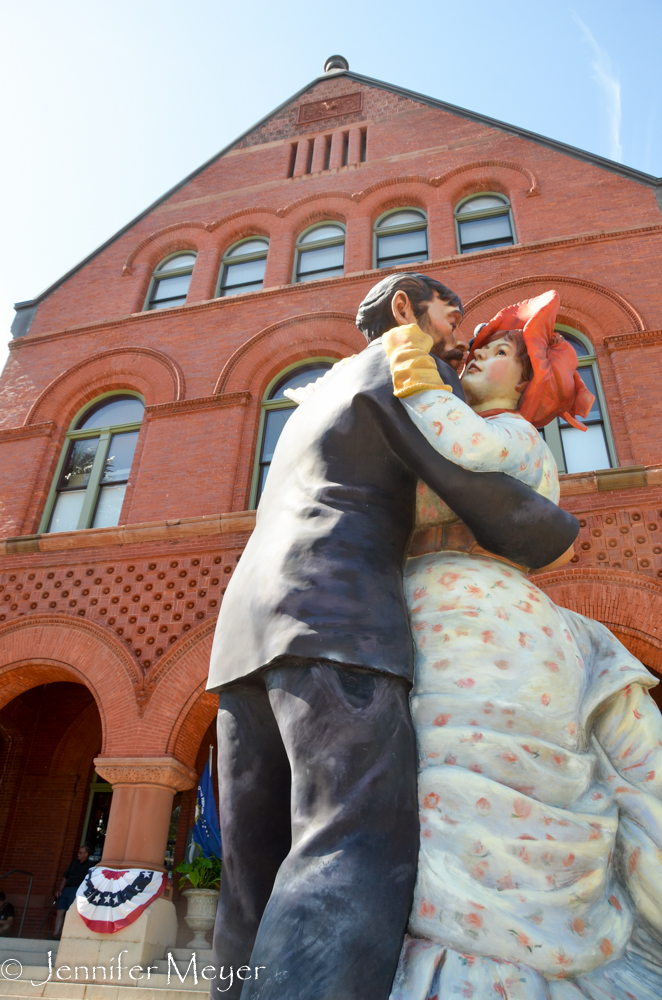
(375, 315)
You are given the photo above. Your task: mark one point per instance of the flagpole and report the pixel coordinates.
(211, 750)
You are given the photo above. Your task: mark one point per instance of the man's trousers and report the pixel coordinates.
(319, 825)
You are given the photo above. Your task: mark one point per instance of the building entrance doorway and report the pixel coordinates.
(50, 737)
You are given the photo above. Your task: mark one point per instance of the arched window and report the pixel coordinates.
(242, 269)
(401, 237)
(483, 221)
(277, 410)
(320, 252)
(90, 480)
(170, 281)
(583, 451)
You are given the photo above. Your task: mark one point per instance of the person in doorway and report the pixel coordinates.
(6, 915)
(72, 878)
(313, 661)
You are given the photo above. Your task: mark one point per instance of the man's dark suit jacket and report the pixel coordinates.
(321, 576)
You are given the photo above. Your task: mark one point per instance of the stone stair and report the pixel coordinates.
(24, 961)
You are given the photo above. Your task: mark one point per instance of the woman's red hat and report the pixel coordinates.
(556, 390)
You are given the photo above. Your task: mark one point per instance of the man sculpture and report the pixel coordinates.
(312, 661)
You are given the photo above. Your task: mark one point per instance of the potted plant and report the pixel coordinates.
(203, 877)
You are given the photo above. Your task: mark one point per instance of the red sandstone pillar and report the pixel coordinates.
(319, 154)
(301, 162)
(337, 148)
(143, 790)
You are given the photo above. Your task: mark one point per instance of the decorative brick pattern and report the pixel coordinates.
(148, 604)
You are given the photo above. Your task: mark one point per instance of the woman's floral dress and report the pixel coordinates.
(540, 783)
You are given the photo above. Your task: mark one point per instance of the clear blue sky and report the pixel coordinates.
(108, 103)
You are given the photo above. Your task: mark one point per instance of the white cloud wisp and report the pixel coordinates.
(610, 83)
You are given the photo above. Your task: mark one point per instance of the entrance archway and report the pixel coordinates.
(51, 734)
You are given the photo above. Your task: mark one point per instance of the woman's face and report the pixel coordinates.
(494, 374)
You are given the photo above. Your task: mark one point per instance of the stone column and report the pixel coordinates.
(143, 790)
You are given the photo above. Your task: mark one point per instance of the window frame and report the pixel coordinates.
(553, 431)
(486, 214)
(175, 273)
(398, 229)
(267, 405)
(94, 485)
(300, 248)
(226, 261)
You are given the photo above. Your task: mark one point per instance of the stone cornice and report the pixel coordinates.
(627, 478)
(464, 260)
(239, 522)
(644, 338)
(166, 772)
(45, 428)
(197, 403)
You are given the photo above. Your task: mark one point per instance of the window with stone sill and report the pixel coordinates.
(95, 464)
(170, 281)
(483, 222)
(592, 449)
(320, 252)
(242, 268)
(277, 410)
(401, 237)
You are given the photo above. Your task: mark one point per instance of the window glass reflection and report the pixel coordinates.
(76, 472)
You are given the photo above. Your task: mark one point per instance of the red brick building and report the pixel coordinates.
(143, 396)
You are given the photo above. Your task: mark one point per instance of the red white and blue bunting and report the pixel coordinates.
(109, 900)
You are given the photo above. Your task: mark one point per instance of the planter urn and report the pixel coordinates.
(200, 915)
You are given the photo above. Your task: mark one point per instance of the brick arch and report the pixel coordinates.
(275, 347)
(311, 199)
(396, 193)
(487, 176)
(593, 308)
(178, 236)
(630, 606)
(42, 649)
(193, 722)
(322, 209)
(155, 375)
(176, 686)
(412, 180)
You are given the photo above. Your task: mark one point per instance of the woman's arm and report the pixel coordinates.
(507, 445)
(501, 444)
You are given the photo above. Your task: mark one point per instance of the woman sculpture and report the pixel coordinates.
(540, 774)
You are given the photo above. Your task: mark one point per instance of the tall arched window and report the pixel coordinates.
(483, 221)
(401, 237)
(242, 269)
(170, 281)
(277, 410)
(583, 451)
(320, 252)
(90, 480)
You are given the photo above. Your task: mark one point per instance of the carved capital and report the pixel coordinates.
(167, 772)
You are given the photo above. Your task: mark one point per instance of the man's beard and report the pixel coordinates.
(454, 356)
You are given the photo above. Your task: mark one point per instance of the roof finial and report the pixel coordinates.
(335, 62)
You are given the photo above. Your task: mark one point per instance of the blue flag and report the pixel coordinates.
(206, 832)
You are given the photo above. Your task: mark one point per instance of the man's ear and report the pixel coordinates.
(402, 309)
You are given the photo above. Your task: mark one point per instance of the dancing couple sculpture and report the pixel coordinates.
(433, 782)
